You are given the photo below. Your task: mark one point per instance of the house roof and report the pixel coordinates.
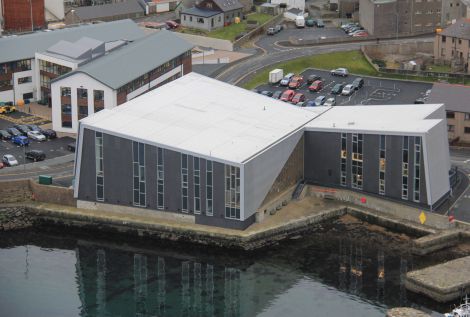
(132, 61)
(454, 97)
(205, 13)
(202, 116)
(107, 10)
(228, 5)
(295, 11)
(460, 29)
(15, 48)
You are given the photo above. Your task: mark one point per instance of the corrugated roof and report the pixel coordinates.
(454, 97)
(137, 58)
(25, 46)
(107, 10)
(460, 29)
(205, 13)
(228, 5)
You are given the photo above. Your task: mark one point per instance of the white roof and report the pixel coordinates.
(203, 116)
(390, 119)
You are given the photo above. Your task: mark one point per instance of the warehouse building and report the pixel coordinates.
(207, 152)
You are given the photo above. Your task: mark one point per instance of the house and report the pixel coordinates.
(456, 101)
(203, 151)
(130, 9)
(291, 4)
(105, 75)
(293, 13)
(158, 6)
(452, 45)
(211, 14)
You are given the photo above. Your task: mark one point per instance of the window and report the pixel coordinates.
(28, 95)
(24, 80)
(443, 39)
(466, 130)
(467, 116)
(99, 166)
(450, 115)
(209, 5)
(209, 180)
(184, 17)
(220, 18)
(232, 192)
(343, 158)
(404, 168)
(138, 167)
(450, 128)
(197, 185)
(417, 160)
(356, 171)
(160, 179)
(98, 100)
(82, 102)
(200, 20)
(66, 107)
(190, 19)
(460, 41)
(184, 182)
(382, 164)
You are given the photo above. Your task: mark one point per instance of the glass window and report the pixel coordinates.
(138, 155)
(417, 164)
(197, 185)
(356, 166)
(404, 168)
(343, 159)
(232, 192)
(382, 164)
(99, 166)
(160, 179)
(209, 181)
(184, 182)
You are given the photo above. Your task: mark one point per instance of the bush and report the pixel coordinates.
(379, 62)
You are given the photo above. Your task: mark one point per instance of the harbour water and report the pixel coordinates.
(343, 269)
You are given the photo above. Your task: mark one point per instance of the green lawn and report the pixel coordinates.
(231, 31)
(439, 68)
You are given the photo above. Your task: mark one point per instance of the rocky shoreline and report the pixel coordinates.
(15, 218)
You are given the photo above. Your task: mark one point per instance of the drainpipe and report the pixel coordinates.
(31, 12)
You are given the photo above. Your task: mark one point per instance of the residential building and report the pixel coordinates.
(291, 4)
(152, 6)
(399, 17)
(452, 45)
(203, 151)
(23, 15)
(130, 9)
(19, 74)
(211, 14)
(453, 10)
(103, 76)
(456, 101)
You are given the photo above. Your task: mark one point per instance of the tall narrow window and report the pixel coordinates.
(184, 182)
(232, 192)
(343, 158)
(209, 180)
(417, 156)
(99, 166)
(138, 154)
(356, 173)
(82, 102)
(382, 164)
(66, 107)
(404, 168)
(160, 179)
(197, 185)
(98, 100)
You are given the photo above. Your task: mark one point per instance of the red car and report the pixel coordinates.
(287, 95)
(317, 85)
(299, 97)
(296, 82)
(361, 34)
(172, 24)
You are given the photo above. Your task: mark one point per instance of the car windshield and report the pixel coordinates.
(9, 157)
(35, 132)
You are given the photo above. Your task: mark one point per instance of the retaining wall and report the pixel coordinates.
(52, 194)
(398, 49)
(198, 40)
(15, 191)
(259, 30)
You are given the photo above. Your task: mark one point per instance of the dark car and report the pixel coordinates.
(320, 24)
(358, 83)
(71, 147)
(277, 94)
(36, 155)
(337, 89)
(14, 132)
(34, 127)
(172, 24)
(23, 128)
(267, 93)
(313, 78)
(310, 103)
(310, 22)
(49, 133)
(4, 135)
(419, 101)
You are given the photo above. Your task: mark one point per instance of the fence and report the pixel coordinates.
(260, 29)
(430, 74)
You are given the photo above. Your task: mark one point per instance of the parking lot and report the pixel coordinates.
(376, 91)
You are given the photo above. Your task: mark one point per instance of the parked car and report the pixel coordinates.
(310, 22)
(71, 147)
(330, 102)
(348, 25)
(7, 109)
(9, 160)
(361, 34)
(298, 97)
(285, 81)
(347, 90)
(23, 128)
(35, 155)
(320, 24)
(49, 133)
(313, 78)
(340, 72)
(337, 89)
(278, 28)
(320, 100)
(301, 104)
(172, 24)
(419, 101)
(14, 132)
(271, 31)
(20, 140)
(277, 94)
(355, 29)
(34, 127)
(296, 82)
(267, 93)
(35, 135)
(310, 103)
(316, 86)
(356, 32)
(358, 83)
(4, 135)
(287, 95)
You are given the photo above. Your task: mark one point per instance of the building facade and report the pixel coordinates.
(23, 15)
(452, 46)
(211, 14)
(182, 157)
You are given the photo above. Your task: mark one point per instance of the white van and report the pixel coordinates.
(300, 21)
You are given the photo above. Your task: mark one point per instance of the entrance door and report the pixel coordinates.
(212, 22)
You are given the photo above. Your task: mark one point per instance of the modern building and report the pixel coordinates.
(19, 74)
(400, 17)
(211, 14)
(204, 151)
(23, 15)
(456, 100)
(130, 9)
(452, 45)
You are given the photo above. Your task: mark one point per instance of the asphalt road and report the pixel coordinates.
(461, 207)
(375, 90)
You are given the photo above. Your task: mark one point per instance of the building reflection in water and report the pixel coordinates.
(350, 265)
(380, 276)
(403, 270)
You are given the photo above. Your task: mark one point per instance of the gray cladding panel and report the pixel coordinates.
(219, 190)
(393, 166)
(87, 189)
(322, 157)
(151, 175)
(172, 168)
(371, 163)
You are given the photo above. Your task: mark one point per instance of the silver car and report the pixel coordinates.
(9, 160)
(330, 102)
(285, 81)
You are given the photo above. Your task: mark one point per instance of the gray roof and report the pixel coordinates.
(24, 46)
(134, 60)
(454, 97)
(295, 11)
(460, 29)
(107, 10)
(205, 13)
(228, 5)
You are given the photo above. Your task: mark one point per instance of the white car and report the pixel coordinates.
(339, 72)
(330, 102)
(285, 81)
(9, 160)
(347, 90)
(36, 135)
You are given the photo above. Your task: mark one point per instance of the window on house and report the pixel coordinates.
(200, 20)
(356, 170)
(443, 39)
(343, 159)
(160, 179)
(467, 116)
(466, 130)
(450, 128)
(450, 115)
(184, 183)
(404, 167)
(24, 80)
(382, 164)
(28, 95)
(417, 161)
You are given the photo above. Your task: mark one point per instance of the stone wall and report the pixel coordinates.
(53, 194)
(411, 49)
(15, 191)
(14, 218)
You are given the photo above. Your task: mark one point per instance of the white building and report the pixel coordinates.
(291, 4)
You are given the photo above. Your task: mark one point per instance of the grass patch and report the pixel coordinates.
(438, 68)
(231, 31)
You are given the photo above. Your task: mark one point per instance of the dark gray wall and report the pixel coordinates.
(87, 189)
